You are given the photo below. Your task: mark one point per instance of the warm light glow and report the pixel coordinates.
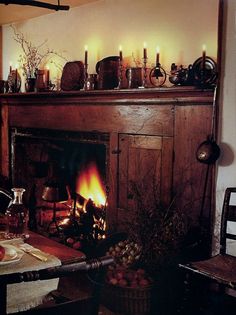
(47, 67)
(144, 45)
(89, 185)
(16, 66)
(158, 49)
(86, 47)
(120, 48)
(203, 47)
(64, 221)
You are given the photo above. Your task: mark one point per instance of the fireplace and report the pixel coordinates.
(78, 161)
(148, 136)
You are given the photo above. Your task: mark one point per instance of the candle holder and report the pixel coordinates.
(157, 75)
(204, 72)
(144, 85)
(86, 76)
(120, 75)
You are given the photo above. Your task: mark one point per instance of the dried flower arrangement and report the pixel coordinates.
(158, 230)
(32, 56)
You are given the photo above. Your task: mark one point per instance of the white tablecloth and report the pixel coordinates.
(23, 296)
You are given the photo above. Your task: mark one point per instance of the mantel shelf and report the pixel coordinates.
(173, 95)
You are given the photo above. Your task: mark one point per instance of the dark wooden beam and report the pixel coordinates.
(40, 4)
(1, 55)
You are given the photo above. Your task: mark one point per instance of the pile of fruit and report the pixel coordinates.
(121, 273)
(74, 242)
(125, 253)
(2, 252)
(129, 278)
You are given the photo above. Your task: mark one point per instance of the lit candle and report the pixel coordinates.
(144, 51)
(120, 53)
(203, 56)
(47, 76)
(86, 54)
(157, 56)
(10, 64)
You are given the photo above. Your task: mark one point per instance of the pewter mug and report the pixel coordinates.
(134, 77)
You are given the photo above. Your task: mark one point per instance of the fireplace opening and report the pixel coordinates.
(48, 161)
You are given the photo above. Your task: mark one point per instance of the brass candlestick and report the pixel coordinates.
(85, 76)
(120, 74)
(144, 85)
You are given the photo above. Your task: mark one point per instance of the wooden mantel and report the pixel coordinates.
(175, 95)
(165, 123)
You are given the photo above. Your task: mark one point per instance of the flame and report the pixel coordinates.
(89, 185)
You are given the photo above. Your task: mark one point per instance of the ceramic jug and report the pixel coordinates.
(108, 72)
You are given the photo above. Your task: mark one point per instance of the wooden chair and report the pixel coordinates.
(87, 306)
(218, 272)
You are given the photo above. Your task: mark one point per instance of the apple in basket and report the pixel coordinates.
(129, 278)
(2, 252)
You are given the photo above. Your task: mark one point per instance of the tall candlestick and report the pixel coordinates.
(144, 51)
(158, 56)
(203, 56)
(10, 64)
(120, 53)
(86, 54)
(47, 76)
(16, 72)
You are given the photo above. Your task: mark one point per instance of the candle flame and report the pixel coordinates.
(120, 48)
(157, 49)
(144, 45)
(89, 185)
(86, 47)
(204, 47)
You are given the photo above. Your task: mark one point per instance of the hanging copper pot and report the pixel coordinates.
(208, 152)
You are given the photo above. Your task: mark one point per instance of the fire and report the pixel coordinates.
(89, 185)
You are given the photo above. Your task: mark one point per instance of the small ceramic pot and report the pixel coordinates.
(30, 84)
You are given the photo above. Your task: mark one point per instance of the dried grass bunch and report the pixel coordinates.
(158, 230)
(33, 56)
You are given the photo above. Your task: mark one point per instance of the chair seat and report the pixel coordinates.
(220, 267)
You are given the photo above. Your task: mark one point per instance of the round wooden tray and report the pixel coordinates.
(72, 76)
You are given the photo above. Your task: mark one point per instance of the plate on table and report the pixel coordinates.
(11, 255)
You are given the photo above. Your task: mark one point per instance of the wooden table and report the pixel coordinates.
(47, 245)
(65, 254)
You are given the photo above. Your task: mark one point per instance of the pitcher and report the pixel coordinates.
(108, 72)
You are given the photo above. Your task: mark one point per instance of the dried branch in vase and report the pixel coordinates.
(33, 56)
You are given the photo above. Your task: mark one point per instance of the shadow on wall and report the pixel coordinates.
(227, 155)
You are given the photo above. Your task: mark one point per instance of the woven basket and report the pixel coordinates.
(128, 301)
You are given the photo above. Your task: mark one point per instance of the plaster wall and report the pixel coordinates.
(179, 28)
(226, 171)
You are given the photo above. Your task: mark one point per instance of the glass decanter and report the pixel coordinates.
(16, 213)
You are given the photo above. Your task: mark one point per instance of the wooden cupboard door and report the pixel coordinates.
(145, 162)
